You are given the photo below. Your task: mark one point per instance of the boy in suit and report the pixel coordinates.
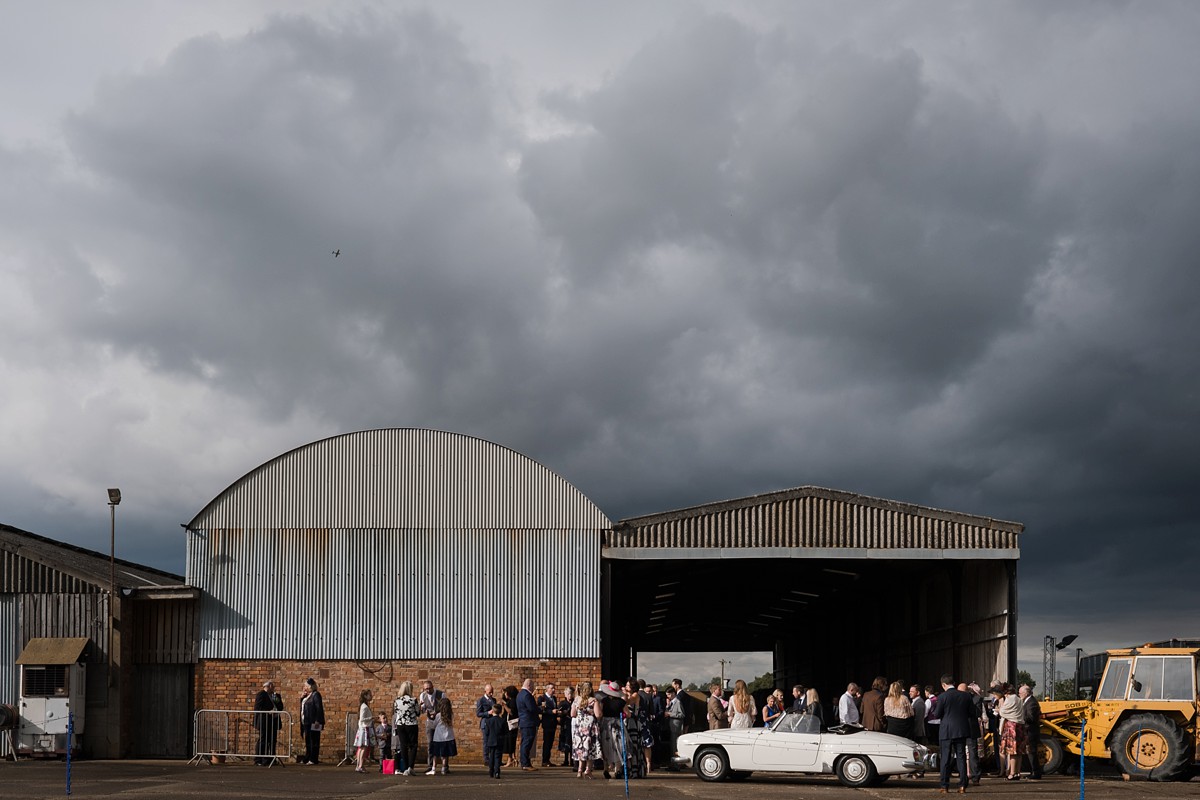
(495, 730)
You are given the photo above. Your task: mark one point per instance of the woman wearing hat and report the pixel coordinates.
(612, 706)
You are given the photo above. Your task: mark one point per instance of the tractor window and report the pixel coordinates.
(1177, 679)
(1148, 673)
(1116, 679)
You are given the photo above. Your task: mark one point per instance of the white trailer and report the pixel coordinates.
(53, 684)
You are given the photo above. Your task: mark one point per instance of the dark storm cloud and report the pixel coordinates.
(246, 162)
(918, 295)
(745, 260)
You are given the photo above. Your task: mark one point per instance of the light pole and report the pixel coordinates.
(114, 500)
(1078, 654)
(1050, 648)
(723, 663)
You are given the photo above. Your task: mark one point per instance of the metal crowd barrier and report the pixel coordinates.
(350, 732)
(221, 735)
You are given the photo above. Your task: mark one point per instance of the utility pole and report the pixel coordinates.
(723, 663)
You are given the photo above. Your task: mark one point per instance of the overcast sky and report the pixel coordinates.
(944, 253)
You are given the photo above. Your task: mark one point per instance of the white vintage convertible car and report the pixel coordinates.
(795, 743)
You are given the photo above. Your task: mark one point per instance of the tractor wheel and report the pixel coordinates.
(1151, 746)
(1051, 754)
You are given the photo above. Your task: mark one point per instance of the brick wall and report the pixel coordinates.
(229, 684)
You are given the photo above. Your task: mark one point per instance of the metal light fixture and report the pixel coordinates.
(1050, 648)
(114, 499)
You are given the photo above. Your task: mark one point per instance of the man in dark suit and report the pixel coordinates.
(267, 723)
(799, 699)
(954, 709)
(548, 711)
(483, 710)
(1033, 731)
(527, 721)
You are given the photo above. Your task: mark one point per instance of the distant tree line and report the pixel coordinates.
(764, 681)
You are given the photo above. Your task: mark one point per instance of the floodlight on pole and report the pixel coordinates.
(1050, 648)
(114, 499)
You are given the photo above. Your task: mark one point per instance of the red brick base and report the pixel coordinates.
(225, 684)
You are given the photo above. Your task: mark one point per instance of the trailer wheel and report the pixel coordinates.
(1051, 755)
(1151, 746)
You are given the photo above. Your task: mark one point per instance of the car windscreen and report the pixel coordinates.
(798, 723)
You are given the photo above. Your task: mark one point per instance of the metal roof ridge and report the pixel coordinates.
(33, 550)
(818, 491)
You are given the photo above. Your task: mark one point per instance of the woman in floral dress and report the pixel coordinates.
(585, 731)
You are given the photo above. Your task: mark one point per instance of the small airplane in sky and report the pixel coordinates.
(337, 252)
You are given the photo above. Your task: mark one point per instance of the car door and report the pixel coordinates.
(791, 745)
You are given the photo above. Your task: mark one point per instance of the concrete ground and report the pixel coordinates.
(176, 780)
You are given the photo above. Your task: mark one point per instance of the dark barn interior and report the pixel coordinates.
(829, 612)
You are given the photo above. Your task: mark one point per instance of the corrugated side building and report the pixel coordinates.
(375, 557)
(51, 590)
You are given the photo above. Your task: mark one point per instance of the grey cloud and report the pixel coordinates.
(751, 260)
(255, 157)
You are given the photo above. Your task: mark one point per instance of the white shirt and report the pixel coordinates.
(428, 700)
(847, 711)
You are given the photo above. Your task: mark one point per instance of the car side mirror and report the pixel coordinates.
(1136, 685)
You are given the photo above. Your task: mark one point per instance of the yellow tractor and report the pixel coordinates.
(1143, 717)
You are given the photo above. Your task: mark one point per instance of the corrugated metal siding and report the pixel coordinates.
(401, 478)
(32, 563)
(814, 518)
(57, 615)
(387, 594)
(21, 575)
(9, 650)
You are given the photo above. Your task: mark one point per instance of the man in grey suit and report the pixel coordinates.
(954, 709)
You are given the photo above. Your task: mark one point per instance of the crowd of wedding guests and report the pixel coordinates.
(627, 729)
(954, 720)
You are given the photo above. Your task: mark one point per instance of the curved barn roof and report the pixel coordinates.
(401, 478)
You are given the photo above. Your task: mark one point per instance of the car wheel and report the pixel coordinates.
(856, 771)
(712, 764)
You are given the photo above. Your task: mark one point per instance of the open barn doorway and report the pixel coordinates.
(824, 621)
(699, 670)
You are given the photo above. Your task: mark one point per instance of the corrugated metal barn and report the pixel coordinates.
(839, 586)
(375, 556)
(53, 590)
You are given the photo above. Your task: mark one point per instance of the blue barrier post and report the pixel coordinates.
(1082, 740)
(624, 757)
(70, 741)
